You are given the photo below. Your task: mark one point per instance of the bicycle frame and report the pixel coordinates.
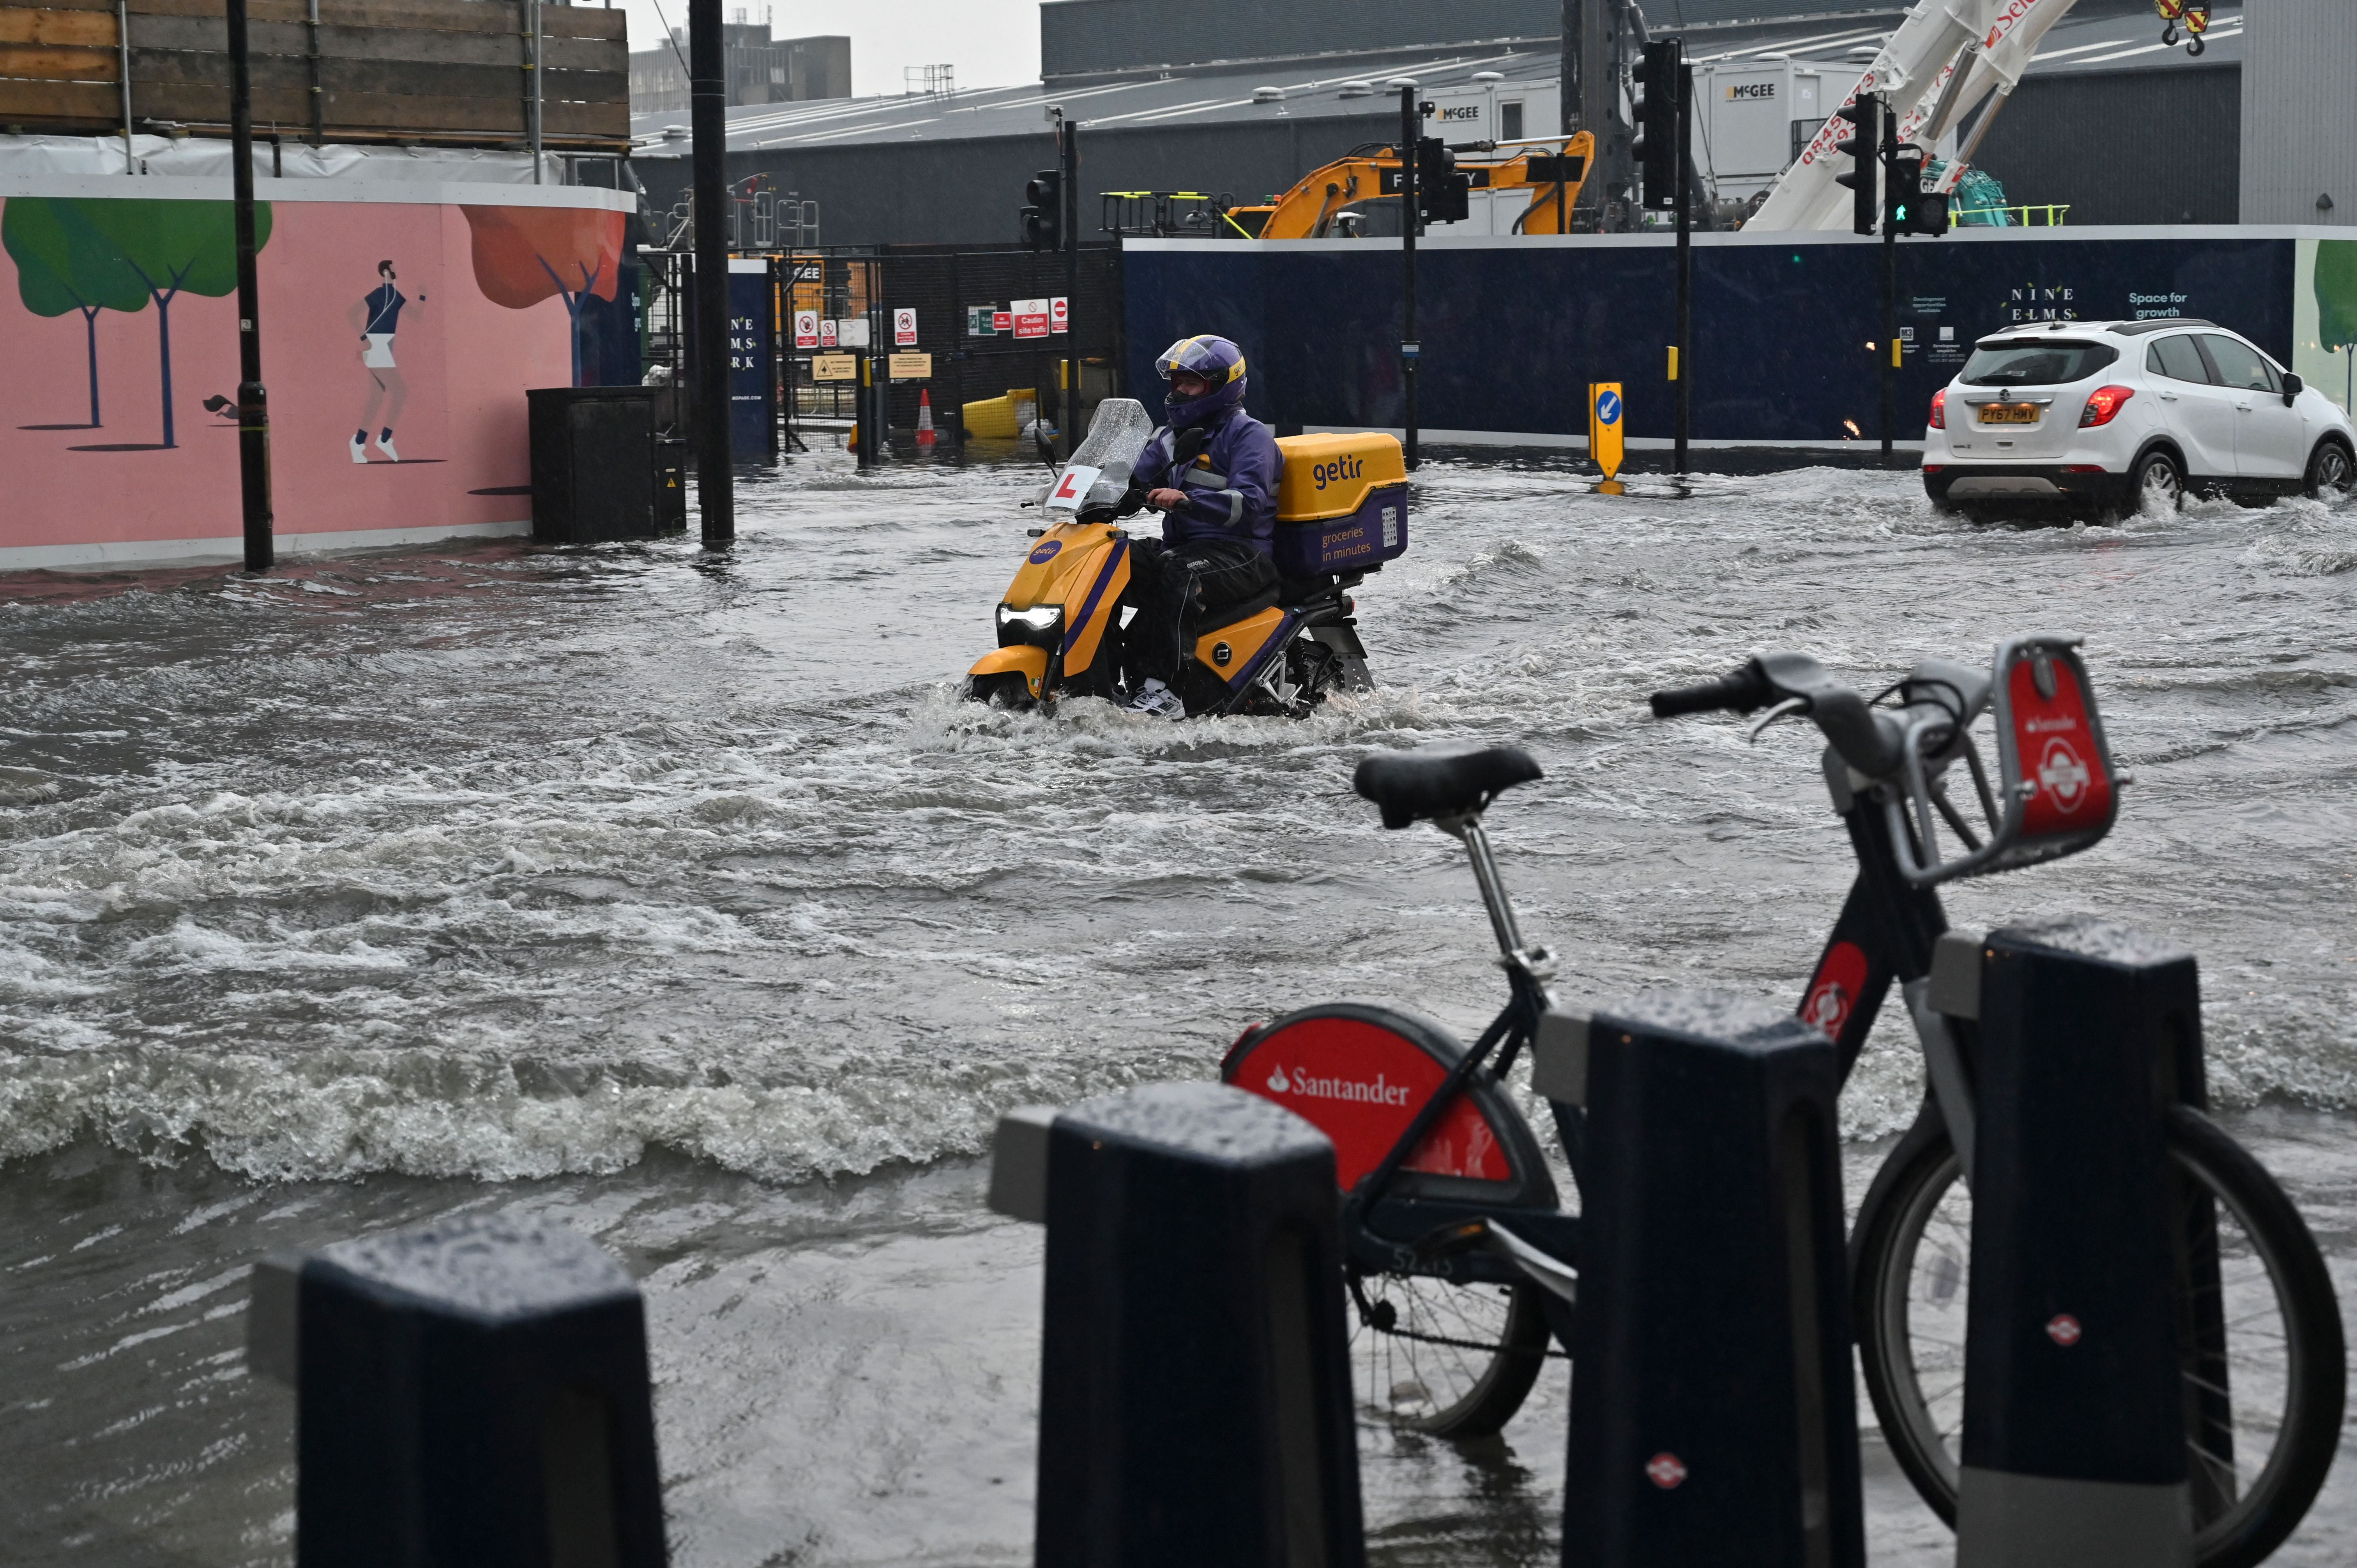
(1885, 936)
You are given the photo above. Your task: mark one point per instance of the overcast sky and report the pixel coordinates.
(993, 43)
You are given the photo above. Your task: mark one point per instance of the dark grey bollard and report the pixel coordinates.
(1195, 1386)
(2074, 1413)
(473, 1393)
(1712, 1414)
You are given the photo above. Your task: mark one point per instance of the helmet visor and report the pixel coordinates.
(1197, 356)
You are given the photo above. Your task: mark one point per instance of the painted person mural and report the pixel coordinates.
(89, 254)
(377, 317)
(525, 254)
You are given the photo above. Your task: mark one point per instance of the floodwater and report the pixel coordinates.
(678, 896)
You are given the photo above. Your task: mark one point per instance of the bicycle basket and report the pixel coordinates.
(2057, 792)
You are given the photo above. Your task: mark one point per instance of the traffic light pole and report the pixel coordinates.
(252, 399)
(715, 493)
(1890, 281)
(1682, 83)
(1411, 219)
(1068, 149)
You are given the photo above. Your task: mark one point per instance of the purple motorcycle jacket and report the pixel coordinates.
(1230, 484)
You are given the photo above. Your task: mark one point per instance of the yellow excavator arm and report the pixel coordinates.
(1552, 171)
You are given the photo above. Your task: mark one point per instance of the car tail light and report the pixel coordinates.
(1933, 467)
(1940, 409)
(2102, 403)
(2085, 468)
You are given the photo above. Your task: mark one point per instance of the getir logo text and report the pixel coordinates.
(1338, 471)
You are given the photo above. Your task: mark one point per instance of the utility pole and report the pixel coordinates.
(708, 104)
(1067, 160)
(1681, 83)
(1411, 220)
(1889, 277)
(252, 399)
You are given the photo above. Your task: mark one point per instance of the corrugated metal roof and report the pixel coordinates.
(1315, 89)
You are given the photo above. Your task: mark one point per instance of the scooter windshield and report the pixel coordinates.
(1098, 476)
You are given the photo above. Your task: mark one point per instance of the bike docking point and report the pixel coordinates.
(475, 1391)
(2075, 1407)
(1712, 1417)
(1194, 1387)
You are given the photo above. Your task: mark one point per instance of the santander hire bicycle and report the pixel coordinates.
(1462, 1264)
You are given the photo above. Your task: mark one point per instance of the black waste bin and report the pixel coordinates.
(671, 483)
(593, 464)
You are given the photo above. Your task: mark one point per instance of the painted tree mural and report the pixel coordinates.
(525, 254)
(65, 265)
(93, 253)
(2336, 301)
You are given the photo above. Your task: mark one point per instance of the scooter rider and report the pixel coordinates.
(1211, 472)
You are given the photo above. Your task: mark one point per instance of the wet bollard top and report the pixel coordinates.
(1195, 1396)
(472, 1392)
(1712, 1418)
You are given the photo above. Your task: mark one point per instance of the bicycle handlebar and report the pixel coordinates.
(1740, 692)
(1866, 740)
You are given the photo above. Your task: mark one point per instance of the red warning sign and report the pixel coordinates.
(2063, 1330)
(1665, 1470)
(1059, 313)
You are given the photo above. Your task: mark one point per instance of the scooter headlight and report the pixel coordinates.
(1043, 625)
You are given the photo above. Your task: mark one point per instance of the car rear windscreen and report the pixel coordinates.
(2040, 362)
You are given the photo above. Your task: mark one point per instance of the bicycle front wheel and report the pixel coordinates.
(2263, 1374)
(1451, 1360)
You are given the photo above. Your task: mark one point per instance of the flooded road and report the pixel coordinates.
(682, 898)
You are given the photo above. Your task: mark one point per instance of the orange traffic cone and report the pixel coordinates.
(924, 416)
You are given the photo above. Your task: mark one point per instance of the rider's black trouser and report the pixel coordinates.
(1173, 584)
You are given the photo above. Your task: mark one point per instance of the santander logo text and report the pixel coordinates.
(1300, 1083)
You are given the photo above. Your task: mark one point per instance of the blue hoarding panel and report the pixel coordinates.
(752, 366)
(1513, 332)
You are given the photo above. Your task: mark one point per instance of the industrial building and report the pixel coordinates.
(2109, 125)
(758, 68)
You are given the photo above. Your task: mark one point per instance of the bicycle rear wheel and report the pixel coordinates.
(1451, 1360)
(2258, 1453)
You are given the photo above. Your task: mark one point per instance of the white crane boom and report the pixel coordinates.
(1944, 58)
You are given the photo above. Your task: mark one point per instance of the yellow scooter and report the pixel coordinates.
(1341, 513)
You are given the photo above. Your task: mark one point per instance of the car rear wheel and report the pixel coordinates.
(2157, 483)
(2331, 472)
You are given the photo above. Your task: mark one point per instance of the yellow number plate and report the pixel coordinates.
(2009, 414)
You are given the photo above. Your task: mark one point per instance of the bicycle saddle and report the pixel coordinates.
(1448, 780)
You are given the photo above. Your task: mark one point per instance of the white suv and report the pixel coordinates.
(2116, 415)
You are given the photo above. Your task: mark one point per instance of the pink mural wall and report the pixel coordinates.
(440, 347)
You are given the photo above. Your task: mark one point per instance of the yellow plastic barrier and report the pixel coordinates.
(1000, 418)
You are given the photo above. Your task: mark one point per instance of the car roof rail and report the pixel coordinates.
(2165, 324)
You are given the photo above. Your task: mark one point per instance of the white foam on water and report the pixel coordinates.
(508, 864)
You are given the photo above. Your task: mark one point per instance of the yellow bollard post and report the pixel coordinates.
(1606, 429)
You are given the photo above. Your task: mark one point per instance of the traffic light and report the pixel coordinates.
(1864, 145)
(1908, 208)
(1043, 219)
(1659, 78)
(1903, 183)
(1441, 193)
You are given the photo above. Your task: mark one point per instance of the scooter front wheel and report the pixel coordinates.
(1001, 689)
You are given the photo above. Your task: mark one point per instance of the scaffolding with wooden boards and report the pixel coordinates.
(512, 74)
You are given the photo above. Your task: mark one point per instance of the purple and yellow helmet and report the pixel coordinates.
(1218, 362)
